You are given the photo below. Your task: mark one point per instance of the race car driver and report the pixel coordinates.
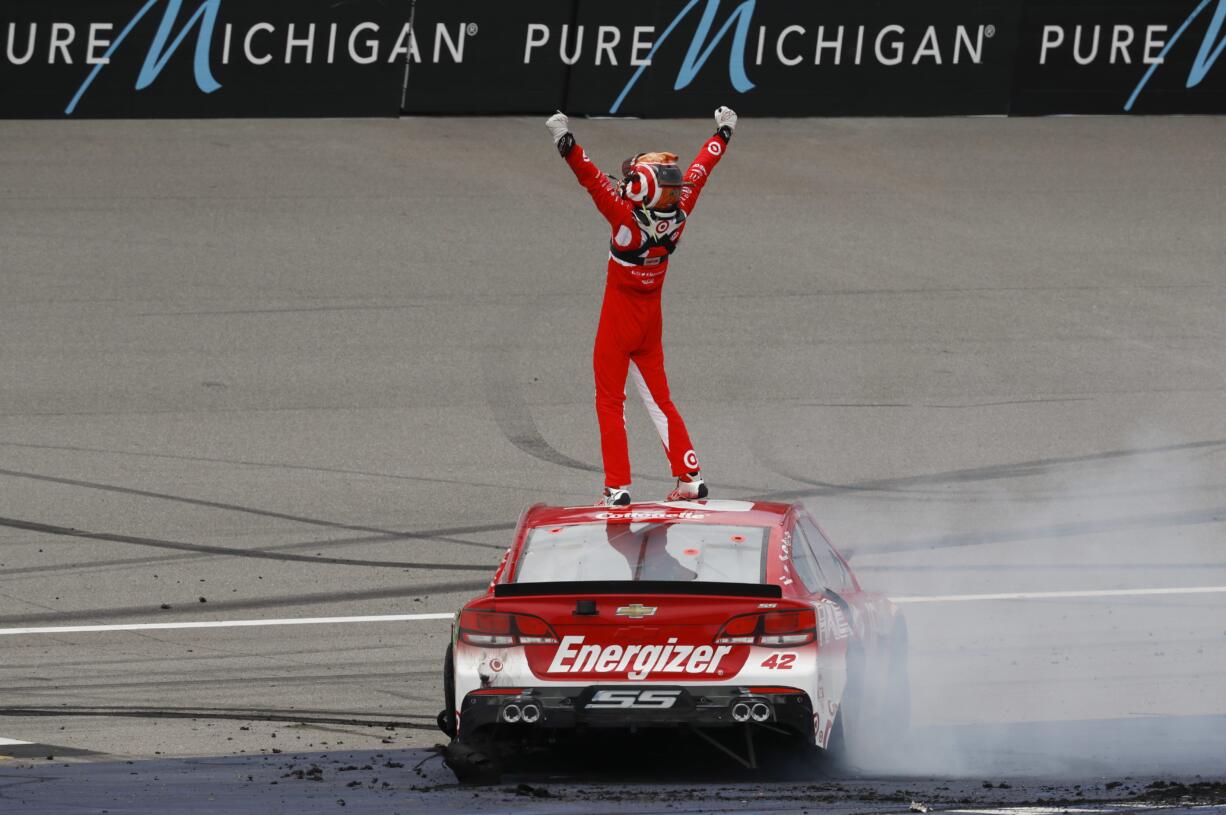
(646, 211)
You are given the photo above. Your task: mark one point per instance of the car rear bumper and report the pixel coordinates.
(545, 708)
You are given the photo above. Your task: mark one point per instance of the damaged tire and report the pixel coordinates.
(471, 765)
(447, 717)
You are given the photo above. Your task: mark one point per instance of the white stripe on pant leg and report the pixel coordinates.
(653, 410)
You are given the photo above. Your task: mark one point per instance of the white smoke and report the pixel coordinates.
(1076, 686)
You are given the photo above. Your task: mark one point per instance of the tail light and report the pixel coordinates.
(504, 629)
(773, 628)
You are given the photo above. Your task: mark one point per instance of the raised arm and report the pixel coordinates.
(710, 154)
(616, 210)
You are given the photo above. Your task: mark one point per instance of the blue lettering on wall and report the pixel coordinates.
(736, 60)
(1204, 59)
(696, 56)
(158, 54)
(206, 15)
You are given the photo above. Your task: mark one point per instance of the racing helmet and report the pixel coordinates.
(652, 180)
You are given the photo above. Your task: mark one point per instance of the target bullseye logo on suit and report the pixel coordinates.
(644, 230)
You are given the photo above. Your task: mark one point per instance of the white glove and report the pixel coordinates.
(725, 117)
(559, 126)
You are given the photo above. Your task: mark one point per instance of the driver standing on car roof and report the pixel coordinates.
(646, 211)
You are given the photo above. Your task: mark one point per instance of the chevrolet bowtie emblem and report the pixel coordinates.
(636, 611)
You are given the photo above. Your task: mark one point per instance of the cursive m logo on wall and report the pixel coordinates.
(1205, 57)
(159, 52)
(697, 56)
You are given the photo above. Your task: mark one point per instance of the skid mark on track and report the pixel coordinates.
(906, 487)
(94, 485)
(1160, 520)
(261, 464)
(258, 554)
(288, 310)
(952, 406)
(158, 685)
(443, 534)
(321, 598)
(506, 402)
(1020, 469)
(237, 714)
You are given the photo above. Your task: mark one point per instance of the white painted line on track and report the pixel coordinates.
(396, 618)
(8, 742)
(1055, 595)
(80, 629)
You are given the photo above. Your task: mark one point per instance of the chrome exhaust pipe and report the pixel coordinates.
(530, 713)
(511, 714)
(740, 712)
(760, 712)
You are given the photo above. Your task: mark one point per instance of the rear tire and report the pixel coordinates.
(896, 706)
(836, 745)
(848, 716)
(471, 764)
(447, 716)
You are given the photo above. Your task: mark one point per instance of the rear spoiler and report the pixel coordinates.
(638, 588)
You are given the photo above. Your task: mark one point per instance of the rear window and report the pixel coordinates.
(644, 551)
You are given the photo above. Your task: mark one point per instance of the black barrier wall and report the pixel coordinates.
(685, 57)
(202, 57)
(1118, 56)
(602, 58)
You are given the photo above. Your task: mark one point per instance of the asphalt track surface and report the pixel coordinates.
(262, 370)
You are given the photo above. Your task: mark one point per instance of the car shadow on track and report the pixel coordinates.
(1141, 746)
(650, 756)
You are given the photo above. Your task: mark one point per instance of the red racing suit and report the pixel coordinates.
(629, 337)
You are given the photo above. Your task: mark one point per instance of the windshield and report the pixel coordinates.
(644, 551)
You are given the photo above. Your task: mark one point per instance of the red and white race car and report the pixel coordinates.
(711, 616)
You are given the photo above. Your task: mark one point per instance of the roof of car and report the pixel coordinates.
(745, 513)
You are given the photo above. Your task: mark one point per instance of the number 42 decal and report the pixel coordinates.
(780, 662)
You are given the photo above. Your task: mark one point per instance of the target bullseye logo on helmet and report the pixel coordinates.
(654, 185)
(640, 185)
